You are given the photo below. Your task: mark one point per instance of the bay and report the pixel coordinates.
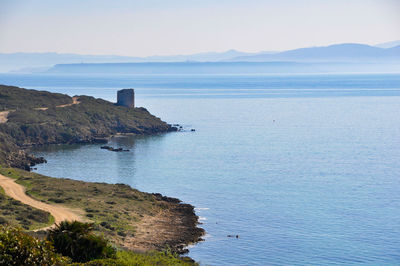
(304, 168)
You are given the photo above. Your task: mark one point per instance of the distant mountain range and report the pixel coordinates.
(354, 53)
(388, 44)
(39, 62)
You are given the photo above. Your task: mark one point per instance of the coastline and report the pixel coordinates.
(130, 219)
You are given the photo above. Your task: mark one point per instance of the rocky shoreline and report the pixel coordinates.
(188, 221)
(131, 219)
(176, 228)
(150, 221)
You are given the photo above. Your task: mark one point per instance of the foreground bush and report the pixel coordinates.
(18, 248)
(129, 258)
(76, 240)
(151, 258)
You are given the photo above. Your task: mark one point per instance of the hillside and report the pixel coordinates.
(129, 218)
(32, 117)
(143, 223)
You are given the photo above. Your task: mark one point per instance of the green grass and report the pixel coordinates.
(15, 213)
(128, 258)
(115, 209)
(19, 248)
(15, 98)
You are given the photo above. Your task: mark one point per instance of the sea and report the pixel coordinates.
(303, 168)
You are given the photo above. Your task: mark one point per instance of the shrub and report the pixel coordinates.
(3, 220)
(151, 258)
(76, 240)
(129, 258)
(18, 248)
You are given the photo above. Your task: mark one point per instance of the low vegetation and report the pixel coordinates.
(128, 258)
(116, 213)
(117, 210)
(114, 209)
(121, 218)
(19, 248)
(76, 241)
(72, 243)
(15, 213)
(39, 121)
(14, 98)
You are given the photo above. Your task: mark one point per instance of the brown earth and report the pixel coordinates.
(3, 116)
(17, 192)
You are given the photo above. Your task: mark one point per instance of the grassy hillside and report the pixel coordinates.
(35, 118)
(15, 213)
(129, 218)
(17, 98)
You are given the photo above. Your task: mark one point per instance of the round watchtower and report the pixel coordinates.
(126, 97)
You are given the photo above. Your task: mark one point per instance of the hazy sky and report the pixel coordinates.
(161, 27)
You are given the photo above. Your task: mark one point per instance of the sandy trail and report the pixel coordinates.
(17, 192)
(3, 116)
(75, 100)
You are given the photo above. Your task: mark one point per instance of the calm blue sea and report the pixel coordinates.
(304, 168)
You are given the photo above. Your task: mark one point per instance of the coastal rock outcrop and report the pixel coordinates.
(40, 121)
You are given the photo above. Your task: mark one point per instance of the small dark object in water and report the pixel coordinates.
(109, 148)
(237, 236)
(193, 130)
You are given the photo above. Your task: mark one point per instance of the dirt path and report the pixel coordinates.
(3, 116)
(75, 100)
(17, 192)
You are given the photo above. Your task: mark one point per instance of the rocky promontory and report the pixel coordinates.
(38, 117)
(131, 219)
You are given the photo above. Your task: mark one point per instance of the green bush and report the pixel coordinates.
(76, 240)
(151, 258)
(18, 248)
(129, 258)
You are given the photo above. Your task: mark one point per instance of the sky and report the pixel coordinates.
(169, 27)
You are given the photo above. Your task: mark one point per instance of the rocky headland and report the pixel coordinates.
(38, 117)
(131, 219)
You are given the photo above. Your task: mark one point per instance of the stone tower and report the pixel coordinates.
(126, 97)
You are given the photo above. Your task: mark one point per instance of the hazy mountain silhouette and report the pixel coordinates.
(354, 53)
(349, 52)
(388, 44)
(201, 57)
(32, 62)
